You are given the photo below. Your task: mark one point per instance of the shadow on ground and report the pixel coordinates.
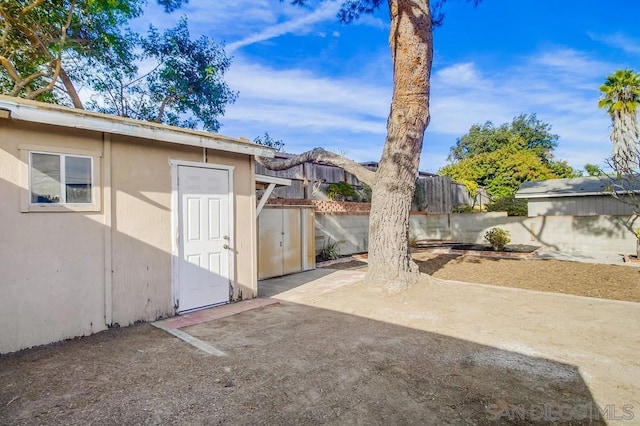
(288, 364)
(277, 285)
(433, 265)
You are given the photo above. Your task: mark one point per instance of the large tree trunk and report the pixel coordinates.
(390, 264)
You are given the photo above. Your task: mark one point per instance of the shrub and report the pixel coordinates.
(340, 191)
(462, 208)
(330, 251)
(413, 241)
(510, 204)
(498, 238)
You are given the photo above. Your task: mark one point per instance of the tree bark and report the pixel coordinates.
(320, 155)
(411, 42)
(71, 89)
(625, 135)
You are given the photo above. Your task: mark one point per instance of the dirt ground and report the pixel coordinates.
(286, 364)
(350, 355)
(615, 282)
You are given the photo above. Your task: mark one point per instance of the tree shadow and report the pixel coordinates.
(433, 265)
(291, 364)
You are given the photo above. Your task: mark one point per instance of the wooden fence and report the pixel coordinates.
(434, 194)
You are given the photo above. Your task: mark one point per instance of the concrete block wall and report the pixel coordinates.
(559, 233)
(350, 231)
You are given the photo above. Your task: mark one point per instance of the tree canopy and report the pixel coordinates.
(501, 158)
(532, 134)
(267, 140)
(593, 170)
(50, 48)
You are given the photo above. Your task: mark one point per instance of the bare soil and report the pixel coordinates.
(339, 360)
(286, 364)
(615, 282)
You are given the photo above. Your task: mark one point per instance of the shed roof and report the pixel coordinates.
(579, 187)
(57, 115)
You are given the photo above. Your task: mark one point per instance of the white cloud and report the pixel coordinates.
(301, 87)
(560, 85)
(460, 75)
(306, 109)
(222, 20)
(619, 41)
(300, 25)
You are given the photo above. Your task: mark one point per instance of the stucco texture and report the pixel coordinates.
(68, 274)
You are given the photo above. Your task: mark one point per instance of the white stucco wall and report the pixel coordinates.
(67, 274)
(51, 263)
(563, 233)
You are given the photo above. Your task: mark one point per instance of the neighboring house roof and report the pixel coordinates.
(56, 115)
(578, 187)
(373, 166)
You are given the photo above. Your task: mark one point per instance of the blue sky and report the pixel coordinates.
(311, 81)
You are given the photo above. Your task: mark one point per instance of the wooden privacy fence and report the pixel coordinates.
(434, 194)
(308, 181)
(440, 194)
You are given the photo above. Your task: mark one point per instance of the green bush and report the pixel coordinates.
(462, 208)
(330, 251)
(510, 204)
(498, 238)
(340, 191)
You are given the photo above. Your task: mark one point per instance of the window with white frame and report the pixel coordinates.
(60, 178)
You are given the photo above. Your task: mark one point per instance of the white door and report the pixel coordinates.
(204, 244)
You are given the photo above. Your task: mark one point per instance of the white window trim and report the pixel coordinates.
(25, 176)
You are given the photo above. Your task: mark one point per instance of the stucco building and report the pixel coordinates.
(107, 221)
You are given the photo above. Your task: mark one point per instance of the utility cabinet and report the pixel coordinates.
(286, 240)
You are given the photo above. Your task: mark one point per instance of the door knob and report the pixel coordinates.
(225, 247)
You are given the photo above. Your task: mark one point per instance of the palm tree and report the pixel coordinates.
(621, 98)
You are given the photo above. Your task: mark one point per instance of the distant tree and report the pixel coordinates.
(501, 172)
(184, 86)
(621, 97)
(49, 48)
(533, 134)
(267, 140)
(593, 170)
(510, 204)
(562, 169)
(501, 158)
(39, 37)
(393, 183)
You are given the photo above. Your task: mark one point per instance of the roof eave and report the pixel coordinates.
(573, 194)
(66, 117)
